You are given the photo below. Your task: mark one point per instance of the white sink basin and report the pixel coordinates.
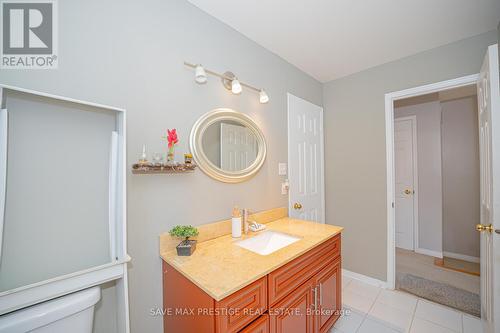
(267, 242)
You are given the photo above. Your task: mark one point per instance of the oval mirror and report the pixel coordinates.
(228, 145)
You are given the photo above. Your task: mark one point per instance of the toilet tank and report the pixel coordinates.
(70, 313)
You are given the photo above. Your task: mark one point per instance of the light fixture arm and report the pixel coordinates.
(222, 76)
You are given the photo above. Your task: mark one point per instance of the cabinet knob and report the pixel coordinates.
(297, 205)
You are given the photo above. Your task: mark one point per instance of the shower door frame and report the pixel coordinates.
(116, 269)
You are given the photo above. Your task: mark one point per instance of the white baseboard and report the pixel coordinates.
(461, 257)
(431, 253)
(364, 278)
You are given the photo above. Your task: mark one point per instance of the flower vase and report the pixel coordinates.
(170, 156)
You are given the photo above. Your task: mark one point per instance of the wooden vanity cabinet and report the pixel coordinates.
(313, 307)
(303, 296)
(287, 278)
(188, 309)
(291, 314)
(260, 325)
(184, 304)
(241, 308)
(329, 288)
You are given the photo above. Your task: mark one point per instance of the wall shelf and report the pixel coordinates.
(149, 169)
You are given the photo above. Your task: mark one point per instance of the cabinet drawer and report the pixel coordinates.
(287, 278)
(241, 308)
(260, 325)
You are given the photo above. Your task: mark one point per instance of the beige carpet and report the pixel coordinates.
(409, 262)
(442, 293)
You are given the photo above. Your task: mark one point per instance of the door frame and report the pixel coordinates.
(321, 151)
(414, 147)
(390, 98)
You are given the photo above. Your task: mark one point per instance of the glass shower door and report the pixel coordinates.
(56, 212)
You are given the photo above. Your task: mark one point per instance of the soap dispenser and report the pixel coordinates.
(236, 223)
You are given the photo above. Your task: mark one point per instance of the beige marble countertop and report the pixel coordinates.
(220, 267)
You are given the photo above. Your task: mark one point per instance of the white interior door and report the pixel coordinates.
(238, 149)
(405, 170)
(305, 160)
(489, 153)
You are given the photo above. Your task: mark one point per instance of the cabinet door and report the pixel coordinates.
(329, 296)
(260, 325)
(239, 309)
(287, 278)
(294, 314)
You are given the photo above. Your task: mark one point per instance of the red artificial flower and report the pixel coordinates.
(172, 137)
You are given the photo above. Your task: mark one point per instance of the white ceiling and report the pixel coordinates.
(334, 38)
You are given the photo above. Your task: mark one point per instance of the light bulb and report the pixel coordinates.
(263, 98)
(200, 76)
(236, 87)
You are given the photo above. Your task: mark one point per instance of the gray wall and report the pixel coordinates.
(105, 319)
(130, 54)
(355, 157)
(430, 194)
(461, 199)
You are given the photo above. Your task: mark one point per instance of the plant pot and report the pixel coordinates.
(186, 247)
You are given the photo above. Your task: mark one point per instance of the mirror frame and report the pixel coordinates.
(195, 144)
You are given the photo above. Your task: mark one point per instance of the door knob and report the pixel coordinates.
(408, 192)
(482, 227)
(297, 205)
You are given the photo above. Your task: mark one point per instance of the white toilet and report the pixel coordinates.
(71, 313)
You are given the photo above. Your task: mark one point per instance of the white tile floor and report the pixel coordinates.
(376, 310)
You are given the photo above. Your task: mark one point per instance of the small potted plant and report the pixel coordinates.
(187, 246)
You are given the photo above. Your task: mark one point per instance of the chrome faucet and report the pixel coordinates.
(244, 219)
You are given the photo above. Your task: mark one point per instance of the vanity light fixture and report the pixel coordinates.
(263, 98)
(236, 87)
(229, 81)
(200, 76)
